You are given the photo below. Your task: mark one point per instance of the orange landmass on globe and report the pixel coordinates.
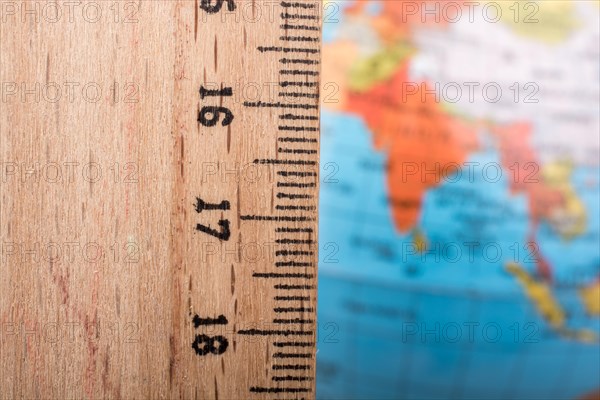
(423, 142)
(398, 18)
(592, 396)
(551, 198)
(338, 58)
(518, 156)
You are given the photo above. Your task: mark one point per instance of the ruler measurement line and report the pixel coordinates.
(294, 241)
(298, 95)
(293, 309)
(281, 195)
(291, 367)
(280, 49)
(289, 139)
(299, 39)
(287, 4)
(297, 83)
(295, 151)
(258, 389)
(258, 332)
(296, 173)
(294, 264)
(295, 208)
(284, 162)
(293, 287)
(292, 355)
(299, 72)
(300, 27)
(275, 275)
(281, 218)
(298, 117)
(285, 253)
(280, 105)
(293, 344)
(291, 298)
(292, 321)
(292, 378)
(299, 16)
(295, 229)
(297, 128)
(295, 185)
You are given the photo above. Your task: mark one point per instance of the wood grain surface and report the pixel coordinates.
(146, 253)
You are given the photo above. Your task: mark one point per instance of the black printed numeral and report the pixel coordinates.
(225, 92)
(210, 115)
(204, 344)
(198, 321)
(201, 205)
(209, 7)
(224, 231)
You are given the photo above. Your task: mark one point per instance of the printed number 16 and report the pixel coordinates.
(210, 115)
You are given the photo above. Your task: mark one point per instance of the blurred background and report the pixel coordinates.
(460, 223)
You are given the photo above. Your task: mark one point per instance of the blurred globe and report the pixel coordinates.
(460, 222)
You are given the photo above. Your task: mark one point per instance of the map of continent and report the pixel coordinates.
(465, 190)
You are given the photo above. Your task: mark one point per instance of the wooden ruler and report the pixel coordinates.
(159, 199)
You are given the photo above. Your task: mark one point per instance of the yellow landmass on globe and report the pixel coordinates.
(590, 296)
(582, 335)
(570, 219)
(547, 21)
(380, 67)
(540, 294)
(420, 241)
